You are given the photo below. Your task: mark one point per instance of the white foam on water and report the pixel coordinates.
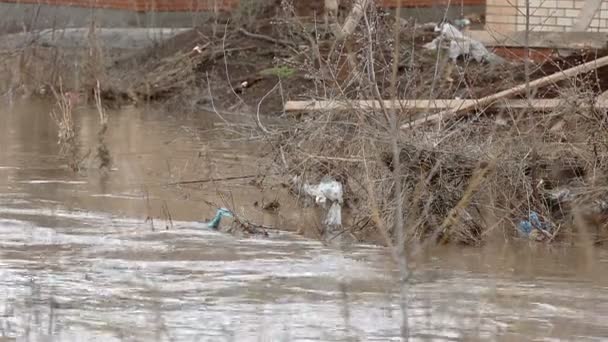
(51, 181)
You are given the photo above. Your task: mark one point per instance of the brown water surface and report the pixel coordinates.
(79, 261)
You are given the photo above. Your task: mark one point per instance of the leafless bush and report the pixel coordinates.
(103, 152)
(249, 11)
(62, 115)
(94, 60)
(459, 183)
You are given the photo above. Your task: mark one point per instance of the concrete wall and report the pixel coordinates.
(545, 15)
(17, 17)
(430, 3)
(20, 15)
(140, 5)
(438, 13)
(206, 5)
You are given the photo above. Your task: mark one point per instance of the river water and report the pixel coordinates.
(80, 259)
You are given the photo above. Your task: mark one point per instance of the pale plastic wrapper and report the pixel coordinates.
(328, 189)
(461, 44)
(334, 215)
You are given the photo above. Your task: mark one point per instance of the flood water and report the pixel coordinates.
(79, 261)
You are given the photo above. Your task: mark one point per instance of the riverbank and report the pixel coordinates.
(466, 180)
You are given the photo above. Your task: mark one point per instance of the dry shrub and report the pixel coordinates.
(103, 152)
(62, 115)
(31, 70)
(34, 68)
(460, 182)
(94, 63)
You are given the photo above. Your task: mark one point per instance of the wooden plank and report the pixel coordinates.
(293, 106)
(603, 96)
(586, 15)
(602, 100)
(485, 101)
(415, 105)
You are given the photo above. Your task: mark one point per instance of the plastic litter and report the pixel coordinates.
(462, 23)
(561, 195)
(220, 213)
(533, 222)
(461, 45)
(334, 215)
(328, 190)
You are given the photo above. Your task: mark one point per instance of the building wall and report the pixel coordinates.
(430, 3)
(18, 15)
(205, 5)
(545, 15)
(140, 5)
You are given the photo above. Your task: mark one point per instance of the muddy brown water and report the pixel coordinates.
(79, 261)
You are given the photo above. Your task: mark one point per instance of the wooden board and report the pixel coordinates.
(488, 100)
(423, 105)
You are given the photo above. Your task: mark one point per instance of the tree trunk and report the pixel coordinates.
(353, 19)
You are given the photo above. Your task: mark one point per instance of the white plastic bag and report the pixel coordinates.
(334, 215)
(461, 45)
(328, 189)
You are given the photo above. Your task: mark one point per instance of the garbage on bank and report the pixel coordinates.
(534, 225)
(461, 45)
(328, 190)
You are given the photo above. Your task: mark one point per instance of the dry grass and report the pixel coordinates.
(69, 76)
(461, 182)
(103, 152)
(63, 117)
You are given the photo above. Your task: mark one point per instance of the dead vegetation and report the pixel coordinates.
(461, 180)
(465, 179)
(63, 117)
(103, 152)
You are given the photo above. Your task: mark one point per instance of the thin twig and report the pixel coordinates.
(266, 38)
(209, 180)
(226, 64)
(258, 121)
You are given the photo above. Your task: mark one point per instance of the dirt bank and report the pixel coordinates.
(487, 176)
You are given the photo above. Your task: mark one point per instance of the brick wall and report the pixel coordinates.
(430, 3)
(202, 5)
(141, 5)
(545, 15)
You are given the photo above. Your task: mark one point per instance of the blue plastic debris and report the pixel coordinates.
(215, 222)
(462, 22)
(533, 222)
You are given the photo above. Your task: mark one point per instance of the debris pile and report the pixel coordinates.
(328, 190)
(202, 69)
(460, 45)
(501, 166)
(475, 156)
(495, 169)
